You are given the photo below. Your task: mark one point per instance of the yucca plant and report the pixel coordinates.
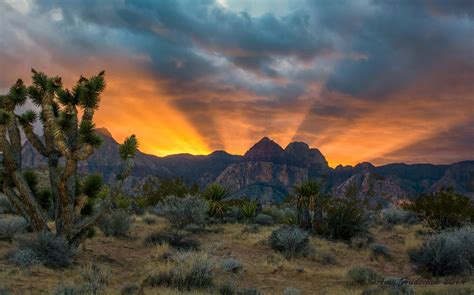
(66, 117)
(309, 200)
(218, 198)
(248, 208)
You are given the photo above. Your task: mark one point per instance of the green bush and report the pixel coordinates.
(248, 209)
(290, 241)
(344, 219)
(184, 211)
(116, 223)
(45, 249)
(446, 253)
(218, 198)
(362, 275)
(443, 209)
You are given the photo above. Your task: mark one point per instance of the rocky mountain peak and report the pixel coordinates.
(104, 132)
(265, 150)
(300, 154)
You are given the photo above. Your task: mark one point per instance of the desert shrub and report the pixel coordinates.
(232, 265)
(264, 219)
(5, 205)
(130, 289)
(175, 239)
(326, 258)
(45, 249)
(287, 216)
(446, 253)
(116, 223)
(395, 216)
(123, 202)
(218, 198)
(95, 280)
(234, 213)
(9, 226)
(290, 241)
(191, 270)
(154, 190)
(362, 275)
(380, 250)
(360, 242)
(344, 218)
(248, 208)
(291, 291)
(184, 211)
(443, 209)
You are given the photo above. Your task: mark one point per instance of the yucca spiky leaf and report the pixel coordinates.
(65, 97)
(90, 90)
(129, 147)
(29, 117)
(36, 95)
(40, 79)
(5, 117)
(18, 92)
(88, 135)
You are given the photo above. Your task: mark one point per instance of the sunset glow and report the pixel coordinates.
(386, 83)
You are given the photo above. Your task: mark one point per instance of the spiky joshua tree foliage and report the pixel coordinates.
(66, 117)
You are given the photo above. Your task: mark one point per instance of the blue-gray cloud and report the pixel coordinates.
(365, 50)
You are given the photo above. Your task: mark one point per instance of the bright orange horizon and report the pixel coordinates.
(377, 81)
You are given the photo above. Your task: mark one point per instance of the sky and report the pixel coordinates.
(379, 81)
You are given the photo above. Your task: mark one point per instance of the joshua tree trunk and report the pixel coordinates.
(64, 137)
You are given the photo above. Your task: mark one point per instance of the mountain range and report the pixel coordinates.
(268, 172)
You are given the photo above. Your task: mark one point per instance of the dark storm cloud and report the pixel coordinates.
(348, 58)
(448, 146)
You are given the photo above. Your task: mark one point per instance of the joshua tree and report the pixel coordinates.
(309, 200)
(68, 134)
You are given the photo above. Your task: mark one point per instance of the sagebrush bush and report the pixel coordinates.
(380, 250)
(290, 241)
(232, 265)
(184, 211)
(10, 226)
(5, 205)
(95, 280)
(45, 249)
(65, 290)
(264, 219)
(443, 209)
(362, 275)
(446, 253)
(228, 288)
(395, 216)
(116, 223)
(175, 239)
(191, 270)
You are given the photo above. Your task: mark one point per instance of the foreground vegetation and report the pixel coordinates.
(181, 246)
(74, 234)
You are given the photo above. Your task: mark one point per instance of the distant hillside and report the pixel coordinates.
(268, 172)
